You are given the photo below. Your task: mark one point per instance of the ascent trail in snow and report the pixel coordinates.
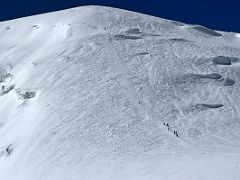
(100, 93)
(130, 92)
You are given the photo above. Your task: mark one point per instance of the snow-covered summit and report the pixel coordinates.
(100, 93)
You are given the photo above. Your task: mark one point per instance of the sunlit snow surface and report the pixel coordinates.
(85, 93)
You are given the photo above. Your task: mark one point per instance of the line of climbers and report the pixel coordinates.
(166, 124)
(174, 132)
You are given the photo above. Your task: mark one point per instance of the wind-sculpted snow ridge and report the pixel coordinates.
(100, 93)
(206, 31)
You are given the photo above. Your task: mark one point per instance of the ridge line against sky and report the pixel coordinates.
(220, 15)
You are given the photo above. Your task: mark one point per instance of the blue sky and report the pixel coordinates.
(220, 15)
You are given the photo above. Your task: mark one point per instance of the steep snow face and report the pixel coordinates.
(101, 93)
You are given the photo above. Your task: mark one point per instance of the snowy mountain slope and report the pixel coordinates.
(85, 94)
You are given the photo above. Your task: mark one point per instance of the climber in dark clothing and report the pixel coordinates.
(168, 126)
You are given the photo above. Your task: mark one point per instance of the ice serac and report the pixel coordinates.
(100, 93)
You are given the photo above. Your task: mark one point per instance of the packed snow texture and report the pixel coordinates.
(97, 93)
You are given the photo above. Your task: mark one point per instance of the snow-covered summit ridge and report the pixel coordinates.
(101, 93)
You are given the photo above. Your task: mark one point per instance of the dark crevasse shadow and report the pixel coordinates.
(126, 37)
(207, 106)
(209, 76)
(179, 40)
(133, 31)
(141, 54)
(229, 82)
(224, 60)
